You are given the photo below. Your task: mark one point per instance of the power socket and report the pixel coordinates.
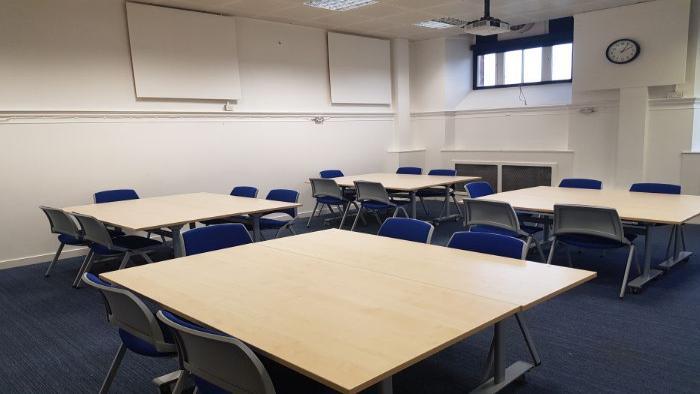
(228, 106)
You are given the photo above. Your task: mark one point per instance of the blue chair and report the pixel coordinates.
(210, 238)
(238, 191)
(581, 183)
(660, 188)
(409, 170)
(138, 327)
(219, 363)
(326, 192)
(438, 191)
(327, 174)
(280, 224)
(504, 246)
(489, 243)
(106, 196)
(374, 198)
(478, 189)
(407, 229)
(68, 232)
(590, 228)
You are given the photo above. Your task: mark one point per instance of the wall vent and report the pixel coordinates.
(506, 176)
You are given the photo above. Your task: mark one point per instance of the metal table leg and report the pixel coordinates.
(257, 236)
(386, 386)
(679, 254)
(178, 244)
(412, 194)
(502, 376)
(648, 274)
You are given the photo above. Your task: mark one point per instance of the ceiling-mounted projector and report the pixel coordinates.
(487, 25)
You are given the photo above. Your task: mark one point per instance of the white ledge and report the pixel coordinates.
(407, 150)
(567, 151)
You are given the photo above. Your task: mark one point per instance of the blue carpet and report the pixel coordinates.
(56, 339)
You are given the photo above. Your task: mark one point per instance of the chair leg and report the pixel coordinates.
(345, 214)
(181, 381)
(55, 259)
(425, 209)
(681, 230)
(125, 260)
(551, 251)
(147, 258)
(627, 272)
(312, 215)
(528, 340)
(113, 369)
(537, 246)
(87, 262)
(354, 222)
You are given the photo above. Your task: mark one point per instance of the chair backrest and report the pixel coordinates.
(94, 230)
(489, 243)
(586, 220)
(128, 313)
(245, 191)
(218, 362)
(218, 236)
(443, 172)
(407, 229)
(581, 183)
(491, 213)
(61, 222)
(331, 174)
(284, 195)
(660, 188)
(372, 191)
(478, 189)
(321, 187)
(409, 170)
(115, 195)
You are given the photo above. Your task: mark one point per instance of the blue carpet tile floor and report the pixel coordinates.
(56, 339)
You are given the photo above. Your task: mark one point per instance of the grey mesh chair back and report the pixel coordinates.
(221, 360)
(586, 220)
(491, 213)
(372, 191)
(94, 230)
(61, 222)
(127, 312)
(325, 187)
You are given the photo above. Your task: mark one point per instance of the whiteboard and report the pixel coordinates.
(360, 69)
(183, 54)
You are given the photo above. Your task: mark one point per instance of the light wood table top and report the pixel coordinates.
(404, 182)
(167, 211)
(633, 206)
(347, 327)
(523, 283)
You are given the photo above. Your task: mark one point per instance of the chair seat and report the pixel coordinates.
(68, 240)
(139, 346)
(589, 241)
(330, 201)
(376, 206)
(493, 230)
(126, 242)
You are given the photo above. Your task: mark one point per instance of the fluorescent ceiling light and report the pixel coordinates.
(442, 23)
(339, 5)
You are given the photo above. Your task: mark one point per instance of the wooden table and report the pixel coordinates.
(407, 183)
(647, 209)
(338, 306)
(175, 211)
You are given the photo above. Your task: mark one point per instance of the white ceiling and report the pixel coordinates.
(395, 18)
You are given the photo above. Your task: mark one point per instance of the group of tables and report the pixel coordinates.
(350, 310)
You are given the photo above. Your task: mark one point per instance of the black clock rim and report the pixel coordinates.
(636, 44)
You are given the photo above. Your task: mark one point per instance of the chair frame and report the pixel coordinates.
(383, 199)
(320, 194)
(429, 238)
(73, 231)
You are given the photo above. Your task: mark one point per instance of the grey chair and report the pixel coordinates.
(68, 232)
(327, 193)
(217, 362)
(590, 228)
(499, 218)
(374, 198)
(137, 325)
(103, 244)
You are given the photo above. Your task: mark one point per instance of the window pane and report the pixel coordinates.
(561, 62)
(513, 65)
(489, 70)
(532, 65)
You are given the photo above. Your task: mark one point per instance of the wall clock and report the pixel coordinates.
(622, 51)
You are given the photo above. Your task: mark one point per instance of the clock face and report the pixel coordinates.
(622, 51)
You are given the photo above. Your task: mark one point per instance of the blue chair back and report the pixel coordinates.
(284, 195)
(581, 183)
(660, 188)
(218, 236)
(407, 229)
(331, 174)
(478, 189)
(245, 191)
(218, 362)
(489, 243)
(409, 170)
(443, 172)
(106, 196)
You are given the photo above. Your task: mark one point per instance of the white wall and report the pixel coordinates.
(73, 56)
